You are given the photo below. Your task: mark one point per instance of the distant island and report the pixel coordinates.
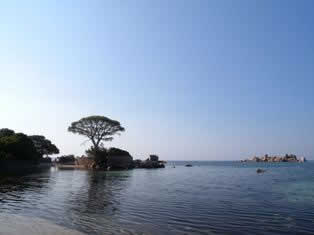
(276, 158)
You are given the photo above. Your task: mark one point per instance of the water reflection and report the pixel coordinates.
(94, 205)
(101, 192)
(26, 195)
(83, 200)
(13, 189)
(177, 200)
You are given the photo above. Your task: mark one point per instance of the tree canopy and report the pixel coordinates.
(43, 145)
(4, 132)
(97, 129)
(18, 147)
(66, 159)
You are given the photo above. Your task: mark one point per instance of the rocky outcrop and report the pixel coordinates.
(268, 158)
(151, 163)
(115, 159)
(259, 171)
(118, 159)
(103, 159)
(119, 162)
(154, 158)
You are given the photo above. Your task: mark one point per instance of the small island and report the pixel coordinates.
(100, 129)
(21, 153)
(112, 159)
(276, 158)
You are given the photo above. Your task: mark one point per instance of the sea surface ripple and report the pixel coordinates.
(208, 198)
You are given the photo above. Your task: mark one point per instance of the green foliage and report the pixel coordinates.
(92, 151)
(6, 132)
(66, 159)
(96, 129)
(17, 147)
(43, 145)
(98, 154)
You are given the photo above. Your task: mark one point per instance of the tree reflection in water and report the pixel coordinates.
(87, 201)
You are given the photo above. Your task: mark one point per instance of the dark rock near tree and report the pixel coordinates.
(106, 159)
(154, 158)
(119, 159)
(122, 162)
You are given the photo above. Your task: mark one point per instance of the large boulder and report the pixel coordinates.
(118, 159)
(148, 164)
(154, 158)
(122, 162)
(259, 171)
(106, 159)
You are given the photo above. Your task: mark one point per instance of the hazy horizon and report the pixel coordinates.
(217, 80)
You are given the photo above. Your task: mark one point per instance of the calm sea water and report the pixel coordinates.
(208, 198)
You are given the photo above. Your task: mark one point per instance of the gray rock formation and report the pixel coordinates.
(122, 162)
(150, 163)
(259, 171)
(154, 158)
(268, 158)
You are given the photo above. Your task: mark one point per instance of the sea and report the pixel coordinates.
(208, 198)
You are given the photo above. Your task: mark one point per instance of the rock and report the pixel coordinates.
(118, 162)
(103, 159)
(116, 159)
(148, 164)
(267, 158)
(258, 171)
(256, 159)
(154, 158)
(137, 163)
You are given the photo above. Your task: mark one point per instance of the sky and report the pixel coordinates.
(189, 80)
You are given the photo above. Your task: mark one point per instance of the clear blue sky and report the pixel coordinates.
(209, 80)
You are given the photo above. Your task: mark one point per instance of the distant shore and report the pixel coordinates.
(276, 158)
